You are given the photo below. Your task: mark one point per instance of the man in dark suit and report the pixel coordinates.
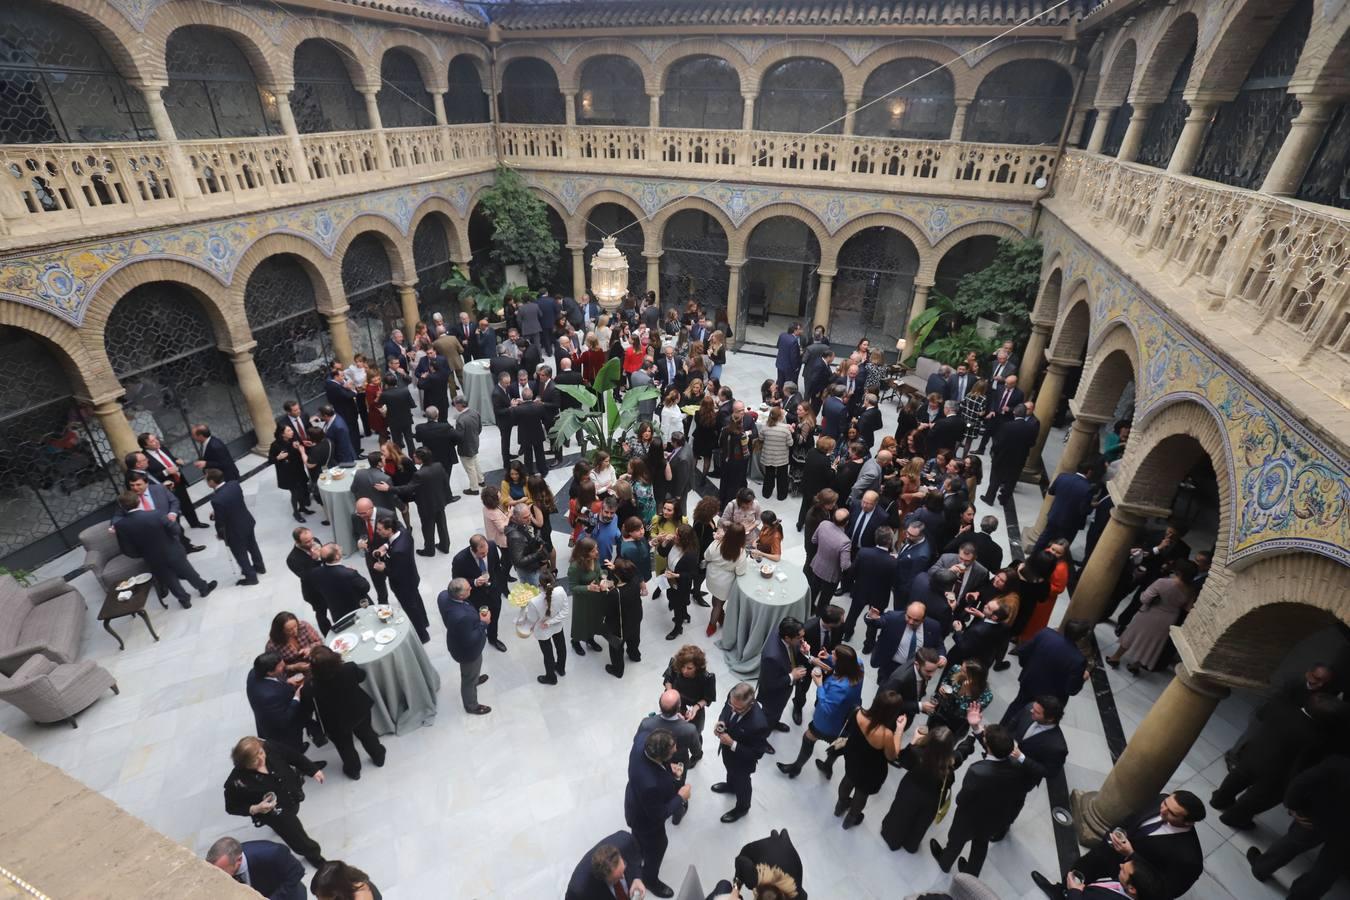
(398, 415)
(502, 408)
(679, 471)
(1037, 733)
(279, 712)
(440, 438)
(234, 525)
(668, 718)
(1316, 799)
(873, 572)
(820, 635)
(1162, 836)
(816, 376)
(149, 535)
(433, 380)
(364, 521)
(266, 866)
(742, 733)
(982, 638)
(168, 471)
(430, 490)
(1000, 367)
(463, 332)
(781, 667)
(911, 557)
(156, 497)
(529, 417)
(789, 361)
(340, 588)
(912, 681)
(465, 635)
(341, 395)
(959, 384)
(947, 432)
(546, 392)
(937, 382)
(900, 634)
(335, 427)
(868, 420)
(987, 552)
(1012, 445)
(1069, 510)
(480, 565)
(393, 349)
(834, 415)
(303, 559)
(365, 479)
(213, 453)
(653, 795)
(1003, 400)
(1051, 664)
(395, 558)
(612, 868)
(670, 370)
(485, 341)
(992, 793)
(293, 417)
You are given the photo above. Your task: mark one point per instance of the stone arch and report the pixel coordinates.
(1117, 75)
(1055, 52)
(324, 272)
(1276, 600)
(1051, 292)
(575, 234)
(456, 226)
(1075, 324)
(736, 241)
(1241, 38)
(1153, 79)
(271, 64)
(618, 198)
(662, 216)
(448, 47)
(363, 71)
(1324, 66)
(588, 50)
(126, 47)
(87, 366)
(937, 53)
(527, 49)
(1112, 362)
(422, 51)
(697, 47)
(809, 50)
(829, 249)
(396, 244)
(972, 229)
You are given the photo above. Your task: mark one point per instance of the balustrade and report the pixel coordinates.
(54, 185)
(241, 167)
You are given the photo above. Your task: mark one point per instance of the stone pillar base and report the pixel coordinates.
(1087, 825)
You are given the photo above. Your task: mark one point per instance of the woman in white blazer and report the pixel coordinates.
(543, 618)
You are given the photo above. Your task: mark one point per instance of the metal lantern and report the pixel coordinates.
(609, 275)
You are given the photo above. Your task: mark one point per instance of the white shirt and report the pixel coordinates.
(164, 459)
(910, 642)
(545, 626)
(1164, 828)
(1035, 729)
(356, 375)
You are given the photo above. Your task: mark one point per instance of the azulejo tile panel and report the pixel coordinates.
(63, 280)
(1290, 491)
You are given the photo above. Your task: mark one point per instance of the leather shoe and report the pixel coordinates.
(430, 551)
(721, 787)
(479, 710)
(781, 726)
(200, 525)
(936, 849)
(1002, 665)
(614, 670)
(260, 570)
(321, 765)
(354, 776)
(1253, 857)
(659, 889)
(482, 679)
(964, 866)
(454, 498)
(734, 815)
(680, 813)
(472, 493)
(1051, 890)
(546, 679)
(186, 604)
(768, 748)
(796, 715)
(210, 586)
(195, 548)
(243, 582)
(1216, 801)
(498, 646)
(674, 633)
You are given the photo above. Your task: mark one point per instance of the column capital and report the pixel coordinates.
(1044, 327)
(576, 248)
(1088, 423)
(652, 254)
(1136, 513)
(925, 283)
(334, 318)
(281, 89)
(1141, 110)
(106, 403)
(827, 273)
(655, 95)
(1125, 517)
(1059, 367)
(241, 351)
(1200, 684)
(1106, 109)
(736, 263)
(148, 85)
(1317, 108)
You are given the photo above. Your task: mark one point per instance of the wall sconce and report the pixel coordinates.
(897, 108)
(586, 101)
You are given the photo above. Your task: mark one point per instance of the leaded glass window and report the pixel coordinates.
(372, 298)
(1115, 132)
(212, 90)
(693, 260)
(1021, 102)
(293, 349)
(801, 95)
(465, 102)
(530, 94)
(324, 98)
(612, 93)
(1167, 119)
(1328, 177)
(403, 99)
(702, 92)
(922, 109)
(431, 258)
(779, 278)
(873, 288)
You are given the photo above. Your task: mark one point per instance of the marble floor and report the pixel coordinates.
(503, 806)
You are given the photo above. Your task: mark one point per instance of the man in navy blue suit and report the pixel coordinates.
(234, 525)
(781, 666)
(834, 417)
(900, 634)
(159, 499)
(789, 361)
(148, 534)
(344, 451)
(873, 573)
(612, 868)
(393, 349)
(1051, 664)
(742, 734)
(279, 712)
(266, 866)
(395, 558)
(1069, 510)
(654, 794)
(465, 636)
(341, 396)
(213, 453)
(485, 339)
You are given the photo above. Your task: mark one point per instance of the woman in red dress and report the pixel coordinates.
(373, 415)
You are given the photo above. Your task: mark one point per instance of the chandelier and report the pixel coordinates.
(609, 275)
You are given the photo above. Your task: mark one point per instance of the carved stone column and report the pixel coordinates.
(748, 113)
(298, 161)
(578, 270)
(438, 107)
(1134, 135)
(255, 396)
(341, 336)
(850, 112)
(1090, 599)
(1035, 352)
(1305, 136)
(653, 258)
(959, 119)
(407, 298)
(1192, 138)
(654, 113)
(1082, 443)
(115, 425)
(1076, 126)
(185, 180)
(570, 108)
(1101, 128)
(823, 298)
(1151, 758)
(373, 116)
(734, 297)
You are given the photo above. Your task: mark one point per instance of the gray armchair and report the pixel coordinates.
(965, 887)
(54, 692)
(46, 619)
(105, 558)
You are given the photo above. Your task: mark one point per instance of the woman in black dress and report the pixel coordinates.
(344, 708)
(930, 762)
(268, 785)
(688, 673)
(817, 474)
(318, 459)
(706, 532)
(734, 443)
(877, 738)
(287, 453)
(683, 557)
(705, 431)
(336, 880)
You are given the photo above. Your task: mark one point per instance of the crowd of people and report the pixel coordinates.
(892, 537)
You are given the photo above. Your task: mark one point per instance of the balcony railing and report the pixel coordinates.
(991, 171)
(1279, 267)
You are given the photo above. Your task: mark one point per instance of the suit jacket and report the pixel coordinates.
(370, 533)
(686, 734)
(652, 795)
(980, 640)
(400, 565)
(217, 456)
(451, 350)
(527, 314)
(776, 663)
(499, 364)
(548, 394)
(868, 423)
(912, 688)
(501, 406)
(1072, 503)
(486, 343)
(301, 564)
(585, 886)
(947, 433)
(664, 376)
(647, 408)
(341, 398)
(429, 489)
(161, 498)
(344, 451)
(992, 792)
(468, 430)
(1178, 858)
(681, 473)
(774, 850)
(364, 481)
(233, 520)
(833, 552)
(997, 373)
(398, 406)
(1051, 664)
(988, 553)
(394, 350)
(156, 470)
(465, 633)
(574, 378)
(869, 479)
(339, 587)
(973, 581)
(873, 575)
(273, 871)
(892, 627)
(834, 418)
(816, 376)
(1012, 446)
(817, 473)
(529, 421)
(749, 735)
(789, 353)
(819, 637)
(936, 384)
(277, 714)
(910, 560)
(439, 438)
(152, 537)
(864, 533)
(1002, 401)
(465, 565)
(1045, 752)
(954, 386)
(464, 333)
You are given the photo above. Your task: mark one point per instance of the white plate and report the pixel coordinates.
(141, 578)
(126, 585)
(343, 643)
(385, 635)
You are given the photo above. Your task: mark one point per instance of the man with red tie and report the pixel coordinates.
(464, 330)
(168, 471)
(368, 540)
(151, 497)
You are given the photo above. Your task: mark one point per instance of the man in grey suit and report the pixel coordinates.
(870, 475)
(645, 376)
(679, 471)
(364, 480)
(468, 429)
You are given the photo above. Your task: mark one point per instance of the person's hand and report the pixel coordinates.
(957, 568)
(1087, 673)
(636, 885)
(927, 707)
(173, 517)
(872, 613)
(485, 616)
(1122, 845)
(685, 790)
(382, 486)
(818, 676)
(957, 626)
(361, 544)
(262, 807)
(690, 713)
(725, 739)
(942, 662)
(318, 776)
(642, 589)
(201, 464)
(1073, 882)
(973, 716)
(481, 580)
(284, 454)
(1304, 821)
(378, 567)
(1017, 752)
(901, 721)
(798, 673)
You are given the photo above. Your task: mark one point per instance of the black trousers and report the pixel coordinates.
(732, 480)
(246, 553)
(189, 512)
(534, 457)
(776, 475)
(321, 617)
(299, 497)
(1298, 840)
(738, 779)
(1259, 792)
(555, 654)
(505, 429)
(653, 843)
(403, 434)
(344, 742)
(822, 592)
(172, 576)
(433, 522)
(363, 415)
(381, 582)
(967, 828)
(411, 601)
(287, 826)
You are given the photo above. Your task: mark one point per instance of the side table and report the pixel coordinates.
(117, 609)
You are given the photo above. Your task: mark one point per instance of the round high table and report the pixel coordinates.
(754, 609)
(478, 389)
(400, 678)
(338, 506)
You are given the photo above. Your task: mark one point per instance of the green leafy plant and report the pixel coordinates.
(521, 235)
(22, 576)
(602, 417)
(484, 298)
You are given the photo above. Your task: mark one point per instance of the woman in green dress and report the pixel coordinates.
(584, 575)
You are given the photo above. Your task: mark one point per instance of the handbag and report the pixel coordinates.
(945, 801)
(850, 725)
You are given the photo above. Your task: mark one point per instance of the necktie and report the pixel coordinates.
(482, 566)
(145, 501)
(1003, 404)
(620, 892)
(370, 530)
(1148, 829)
(913, 639)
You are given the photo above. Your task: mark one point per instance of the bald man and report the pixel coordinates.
(368, 540)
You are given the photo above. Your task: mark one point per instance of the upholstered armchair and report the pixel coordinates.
(46, 619)
(105, 558)
(53, 692)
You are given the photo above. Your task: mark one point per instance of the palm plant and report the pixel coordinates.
(601, 417)
(485, 299)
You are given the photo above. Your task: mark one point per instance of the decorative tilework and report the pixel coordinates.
(752, 48)
(271, 20)
(366, 33)
(63, 280)
(138, 12)
(1289, 490)
(859, 48)
(654, 47)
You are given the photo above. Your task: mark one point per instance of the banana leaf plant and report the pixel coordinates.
(601, 417)
(485, 299)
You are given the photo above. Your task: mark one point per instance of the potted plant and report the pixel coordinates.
(521, 235)
(602, 417)
(488, 301)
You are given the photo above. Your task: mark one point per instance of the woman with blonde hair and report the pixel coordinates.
(267, 784)
(593, 357)
(717, 352)
(727, 561)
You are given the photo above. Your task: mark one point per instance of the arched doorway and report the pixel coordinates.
(293, 349)
(923, 110)
(372, 298)
(607, 219)
(694, 260)
(431, 258)
(58, 85)
(483, 267)
(612, 93)
(801, 95)
(163, 350)
(971, 255)
(702, 92)
(873, 287)
(530, 94)
(324, 98)
(57, 470)
(403, 98)
(1021, 102)
(778, 284)
(465, 102)
(213, 92)
(561, 279)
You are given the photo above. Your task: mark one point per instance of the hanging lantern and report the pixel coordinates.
(609, 275)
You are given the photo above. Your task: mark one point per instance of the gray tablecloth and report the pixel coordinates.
(478, 389)
(338, 506)
(399, 676)
(754, 609)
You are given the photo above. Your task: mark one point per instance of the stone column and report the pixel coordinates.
(373, 116)
(1035, 352)
(1047, 402)
(341, 336)
(115, 425)
(1296, 153)
(1100, 128)
(916, 308)
(1158, 746)
(748, 113)
(185, 181)
(850, 112)
(734, 297)
(823, 297)
(654, 114)
(1082, 443)
(1134, 135)
(255, 396)
(653, 258)
(438, 107)
(407, 298)
(959, 120)
(1192, 138)
(298, 160)
(1076, 125)
(578, 270)
(1090, 599)
(570, 108)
